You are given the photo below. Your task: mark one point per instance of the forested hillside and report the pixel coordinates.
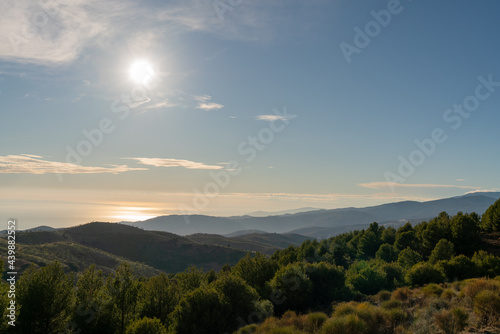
(439, 276)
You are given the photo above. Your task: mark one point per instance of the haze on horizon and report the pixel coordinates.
(126, 110)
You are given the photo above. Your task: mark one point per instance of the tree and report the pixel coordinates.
(291, 289)
(405, 228)
(340, 253)
(458, 268)
(256, 271)
(328, 282)
(407, 258)
(308, 251)
(46, 297)
(389, 236)
(4, 303)
(487, 264)
(437, 229)
(394, 274)
(465, 232)
(405, 240)
(368, 244)
(123, 290)
(200, 311)
(90, 299)
(424, 273)
(369, 281)
(491, 218)
(238, 299)
(286, 256)
(158, 297)
(386, 253)
(444, 250)
(190, 279)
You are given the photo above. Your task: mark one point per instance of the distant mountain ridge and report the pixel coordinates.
(159, 250)
(279, 213)
(325, 222)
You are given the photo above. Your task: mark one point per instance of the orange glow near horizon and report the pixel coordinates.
(133, 214)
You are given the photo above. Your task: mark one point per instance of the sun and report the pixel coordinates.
(141, 72)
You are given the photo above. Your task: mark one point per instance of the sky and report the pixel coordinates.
(126, 110)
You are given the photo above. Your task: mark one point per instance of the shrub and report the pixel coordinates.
(397, 317)
(487, 306)
(314, 321)
(248, 329)
(343, 309)
(291, 319)
(146, 326)
(451, 322)
(448, 294)
(393, 303)
(383, 296)
(402, 294)
(478, 285)
(373, 316)
(432, 289)
(349, 324)
(284, 330)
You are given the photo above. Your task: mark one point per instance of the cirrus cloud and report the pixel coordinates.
(161, 162)
(34, 164)
(272, 118)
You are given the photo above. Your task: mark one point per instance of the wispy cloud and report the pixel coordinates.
(210, 106)
(272, 118)
(385, 185)
(34, 164)
(55, 32)
(161, 104)
(332, 198)
(494, 190)
(205, 104)
(160, 162)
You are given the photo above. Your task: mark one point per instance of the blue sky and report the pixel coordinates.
(239, 106)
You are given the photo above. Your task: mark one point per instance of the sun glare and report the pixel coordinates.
(141, 72)
(132, 214)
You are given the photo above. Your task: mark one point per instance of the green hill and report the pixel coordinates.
(160, 250)
(73, 257)
(266, 243)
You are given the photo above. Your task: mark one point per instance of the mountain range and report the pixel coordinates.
(321, 223)
(148, 252)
